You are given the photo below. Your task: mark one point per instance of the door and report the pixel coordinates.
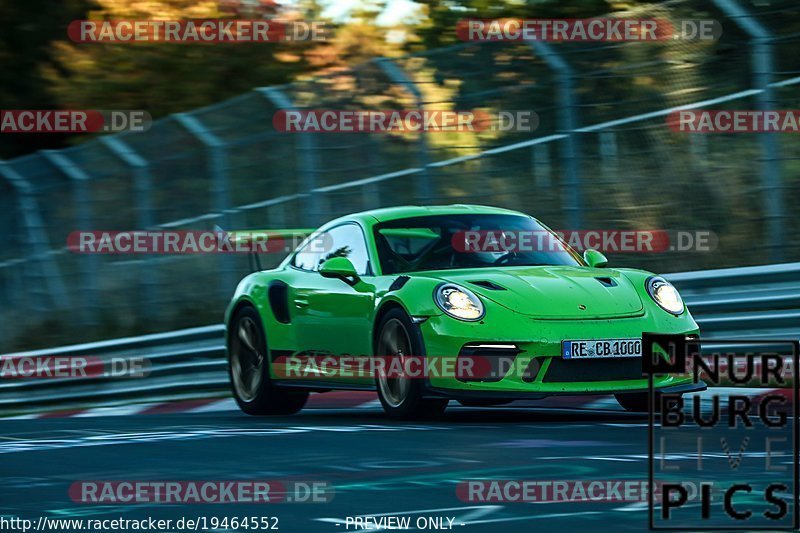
(330, 315)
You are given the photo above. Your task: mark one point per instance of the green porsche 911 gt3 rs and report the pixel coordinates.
(399, 283)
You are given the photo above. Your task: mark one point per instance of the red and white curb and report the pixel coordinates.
(366, 401)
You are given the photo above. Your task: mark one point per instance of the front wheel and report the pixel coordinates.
(248, 370)
(400, 395)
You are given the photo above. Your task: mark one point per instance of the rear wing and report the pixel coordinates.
(261, 241)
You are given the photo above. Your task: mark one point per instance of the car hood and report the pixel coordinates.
(554, 292)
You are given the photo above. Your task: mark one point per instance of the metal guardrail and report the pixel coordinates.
(749, 302)
(183, 364)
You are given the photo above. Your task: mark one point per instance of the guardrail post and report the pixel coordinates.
(771, 179)
(370, 193)
(143, 192)
(276, 216)
(219, 189)
(82, 198)
(423, 188)
(306, 157)
(567, 124)
(698, 147)
(540, 160)
(609, 160)
(39, 250)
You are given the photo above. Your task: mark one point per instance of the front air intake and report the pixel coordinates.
(590, 370)
(486, 363)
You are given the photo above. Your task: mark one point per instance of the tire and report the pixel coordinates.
(248, 370)
(402, 398)
(635, 402)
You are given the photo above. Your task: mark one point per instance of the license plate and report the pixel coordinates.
(593, 349)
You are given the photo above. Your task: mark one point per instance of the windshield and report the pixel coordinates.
(468, 241)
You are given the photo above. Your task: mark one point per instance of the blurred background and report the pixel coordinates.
(602, 157)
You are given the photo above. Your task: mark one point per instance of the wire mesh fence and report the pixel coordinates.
(602, 157)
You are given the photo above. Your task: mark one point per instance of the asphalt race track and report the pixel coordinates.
(377, 466)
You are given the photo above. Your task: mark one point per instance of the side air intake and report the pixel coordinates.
(278, 296)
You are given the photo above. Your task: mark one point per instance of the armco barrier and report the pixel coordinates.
(749, 302)
(185, 364)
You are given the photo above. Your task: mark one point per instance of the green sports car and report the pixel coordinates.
(399, 284)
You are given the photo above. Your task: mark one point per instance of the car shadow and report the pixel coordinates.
(454, 415)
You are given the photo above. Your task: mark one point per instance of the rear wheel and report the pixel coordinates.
(400, 395)
(248, 370)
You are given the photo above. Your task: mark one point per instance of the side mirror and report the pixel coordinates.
(340, 268)
(594, 258)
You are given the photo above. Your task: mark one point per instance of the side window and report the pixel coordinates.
(347, 241)
(308, 257)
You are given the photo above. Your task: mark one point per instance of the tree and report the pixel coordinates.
(28, 30)
(164, 78)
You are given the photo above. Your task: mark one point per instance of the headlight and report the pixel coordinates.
(665, 295)
(458, 302)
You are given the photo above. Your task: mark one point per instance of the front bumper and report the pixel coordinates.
(453, 394)
(540, 340)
